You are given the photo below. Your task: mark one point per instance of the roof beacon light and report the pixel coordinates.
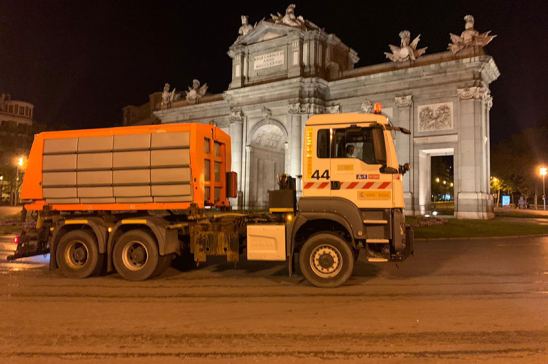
(377, 108)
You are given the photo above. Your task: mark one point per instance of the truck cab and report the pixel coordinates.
(352, 198)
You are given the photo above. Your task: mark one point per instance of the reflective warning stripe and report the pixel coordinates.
(350, 185)
(384, 185)
(365, 185)
(318, 185)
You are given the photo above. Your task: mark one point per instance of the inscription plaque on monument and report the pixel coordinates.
(268, 60)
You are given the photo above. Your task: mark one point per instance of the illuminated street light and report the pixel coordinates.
(451, 184)
(542, 172)
(19, 166)
(437, 180)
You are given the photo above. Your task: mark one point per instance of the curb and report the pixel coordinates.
(483, 237)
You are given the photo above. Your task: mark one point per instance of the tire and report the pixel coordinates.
(326, 260)
(135, 255)
(77, 255)
(164, 262)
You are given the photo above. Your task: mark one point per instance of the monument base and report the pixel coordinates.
(474, 205)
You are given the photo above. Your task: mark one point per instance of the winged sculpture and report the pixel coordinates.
(168, 97)
(196, 92)
(469, 37)
(407, 51)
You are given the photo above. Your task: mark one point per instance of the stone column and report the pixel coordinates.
(236, 134)
(246, 178)
(294, 142)
(473, 199)
(238, 59)
(404, 147)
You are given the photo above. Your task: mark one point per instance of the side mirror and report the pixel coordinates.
(403, 169)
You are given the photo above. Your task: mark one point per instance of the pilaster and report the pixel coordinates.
(404, 147)
(473, 199)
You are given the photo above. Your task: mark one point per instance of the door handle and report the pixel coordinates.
(335, 185)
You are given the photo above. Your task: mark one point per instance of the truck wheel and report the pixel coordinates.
(164, 262)
(136, 255)
(326, 260)
(77, 255)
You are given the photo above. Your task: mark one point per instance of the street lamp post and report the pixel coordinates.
(543, 171)
(18, 166)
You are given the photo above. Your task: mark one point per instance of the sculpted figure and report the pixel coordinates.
(167, 97)
(469, 37)
(407, 51)
(290, 18)
(196, 92)
(245, 28)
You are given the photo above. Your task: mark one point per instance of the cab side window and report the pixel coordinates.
(323, 143)
(366, 144)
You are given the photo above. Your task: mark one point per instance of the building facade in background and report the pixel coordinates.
(16, 135)
(286, 69)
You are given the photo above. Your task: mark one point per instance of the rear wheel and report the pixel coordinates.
(77, 254)
(136, 256)
(326, 260)
(164, 262)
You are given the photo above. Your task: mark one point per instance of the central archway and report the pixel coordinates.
(268, 143)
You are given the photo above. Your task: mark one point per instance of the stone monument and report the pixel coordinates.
(285, 69)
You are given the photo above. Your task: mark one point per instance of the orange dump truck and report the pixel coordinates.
(131, 199)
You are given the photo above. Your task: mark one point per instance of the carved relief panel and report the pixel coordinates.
(435, 117)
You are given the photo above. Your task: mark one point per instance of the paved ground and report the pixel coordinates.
(457, 301)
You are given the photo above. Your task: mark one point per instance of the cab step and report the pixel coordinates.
(375, 222)
(377, 241)
(377, 260)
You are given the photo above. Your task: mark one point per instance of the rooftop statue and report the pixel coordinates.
(469, 37)
(245, 28)
(167, 97)
(196, 92)
(407, 51)
(290, 19)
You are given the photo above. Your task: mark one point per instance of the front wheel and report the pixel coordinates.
(326, 260)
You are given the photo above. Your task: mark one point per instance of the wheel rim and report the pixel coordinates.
(326, 261)
(134, 255)
(76, 254)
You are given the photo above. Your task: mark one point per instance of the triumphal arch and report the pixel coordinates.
(286, 68)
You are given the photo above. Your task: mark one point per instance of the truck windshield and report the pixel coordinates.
(366, 144)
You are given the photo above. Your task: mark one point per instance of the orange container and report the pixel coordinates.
(147, 167)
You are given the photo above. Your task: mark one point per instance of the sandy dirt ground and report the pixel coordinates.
(455, 301)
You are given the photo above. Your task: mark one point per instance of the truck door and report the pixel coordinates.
(357, 157)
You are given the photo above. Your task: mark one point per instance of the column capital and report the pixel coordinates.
(333, 109)
(474, 92)
(236, 115)
(305, 108)
(489, 102)
(404, 101)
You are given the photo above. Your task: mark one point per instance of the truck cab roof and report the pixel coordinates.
(345, 118)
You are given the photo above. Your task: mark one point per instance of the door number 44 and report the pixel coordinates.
(316, 174)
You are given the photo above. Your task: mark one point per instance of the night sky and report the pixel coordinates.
(80, 62)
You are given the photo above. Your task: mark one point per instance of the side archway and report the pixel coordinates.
(267, 152)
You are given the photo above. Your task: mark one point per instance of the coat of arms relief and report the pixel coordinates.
(435, 117)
